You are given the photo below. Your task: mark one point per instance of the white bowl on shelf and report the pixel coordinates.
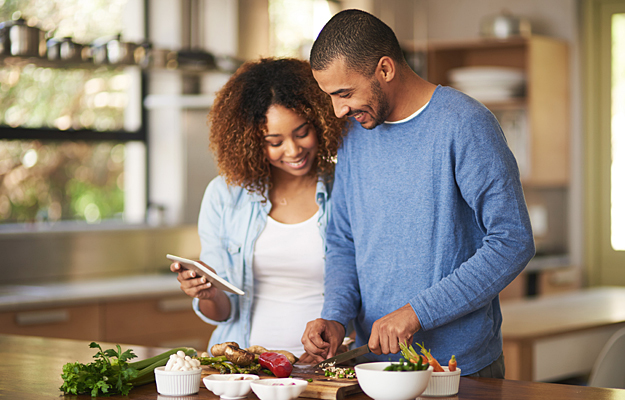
(443, 383)
(487, 75)
(177, 383)
(391, 385)
(279, 388)
(230, 386)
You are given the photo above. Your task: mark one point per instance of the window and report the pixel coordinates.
(618, 131)
(71, 132)
(604, 35)
(296, 24)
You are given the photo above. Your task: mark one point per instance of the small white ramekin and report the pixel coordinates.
(443, 383)
(177, 383)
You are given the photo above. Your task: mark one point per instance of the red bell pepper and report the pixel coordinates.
(277, 363)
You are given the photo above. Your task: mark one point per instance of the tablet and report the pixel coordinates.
(212, 277)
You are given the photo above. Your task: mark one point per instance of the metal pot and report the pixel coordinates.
(70, 50)
(504, 25)
(119, 52)
(26, 41)
(54, 49)
(5, 41)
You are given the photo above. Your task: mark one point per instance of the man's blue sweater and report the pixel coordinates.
(429, 211)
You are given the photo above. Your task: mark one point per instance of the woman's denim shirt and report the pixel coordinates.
(230, 221)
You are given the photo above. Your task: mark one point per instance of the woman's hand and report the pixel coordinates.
(192, 285)
(214, 303)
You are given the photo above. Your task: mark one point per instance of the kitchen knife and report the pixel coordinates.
(348, 355)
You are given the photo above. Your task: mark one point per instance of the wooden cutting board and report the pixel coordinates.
(320, 387)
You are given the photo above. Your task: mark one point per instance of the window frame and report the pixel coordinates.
(604, 265)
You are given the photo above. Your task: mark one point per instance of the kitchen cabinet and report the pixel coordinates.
(559, 336)
(541, 114)
(67, 322)
(162, 321)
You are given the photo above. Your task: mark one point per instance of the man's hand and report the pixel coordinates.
(322, 338)
(392, 329)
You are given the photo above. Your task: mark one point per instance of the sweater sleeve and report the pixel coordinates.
(487, 178)
(342, 291)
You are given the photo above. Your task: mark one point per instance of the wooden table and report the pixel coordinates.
(30, 369)
(555, 337)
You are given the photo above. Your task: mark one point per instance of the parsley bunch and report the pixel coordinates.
(109, 374)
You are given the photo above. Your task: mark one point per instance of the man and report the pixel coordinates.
(429, 221)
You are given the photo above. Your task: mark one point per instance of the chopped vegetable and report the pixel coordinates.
(453, 363)
(404, 365)
(111, 373)
(433, 362)
(339, 372)
(278, 364)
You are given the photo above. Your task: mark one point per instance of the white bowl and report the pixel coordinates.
(177, 383)
(443, 383)
(391, 385)
(279, 388)
(230, 386)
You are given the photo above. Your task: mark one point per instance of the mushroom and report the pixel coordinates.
(257, 349)
(220, 349)
(238, 356)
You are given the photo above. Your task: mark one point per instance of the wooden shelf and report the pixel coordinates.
(546, 103)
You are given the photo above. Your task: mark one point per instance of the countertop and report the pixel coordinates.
(35, 364)
(18, 297)
(563, 313)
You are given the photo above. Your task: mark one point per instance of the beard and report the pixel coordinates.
(380, 99)
(379, 104)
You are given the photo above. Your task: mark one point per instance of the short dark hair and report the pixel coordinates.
(359, 38)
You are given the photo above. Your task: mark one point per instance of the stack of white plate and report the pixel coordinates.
(488, 84)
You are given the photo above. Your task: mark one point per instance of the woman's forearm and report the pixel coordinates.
(217, 308)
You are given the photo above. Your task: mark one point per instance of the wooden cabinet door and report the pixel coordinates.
(75, 322)
(163, 322)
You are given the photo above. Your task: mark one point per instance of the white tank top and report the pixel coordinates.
(288, 269)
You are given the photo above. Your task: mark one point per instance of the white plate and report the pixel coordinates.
(212, 277)
(487, 74)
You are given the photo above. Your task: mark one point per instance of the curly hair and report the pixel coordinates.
(238, 119)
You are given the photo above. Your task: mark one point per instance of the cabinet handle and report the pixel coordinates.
(41, 317)
(173, 305)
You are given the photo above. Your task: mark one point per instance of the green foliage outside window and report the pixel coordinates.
(62, 180)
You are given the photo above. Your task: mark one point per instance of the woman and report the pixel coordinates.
(262, 222)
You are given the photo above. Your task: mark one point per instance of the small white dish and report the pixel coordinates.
(279, 388)
(391, 385)
(443, 384)
(177, 383)
(230, 386)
